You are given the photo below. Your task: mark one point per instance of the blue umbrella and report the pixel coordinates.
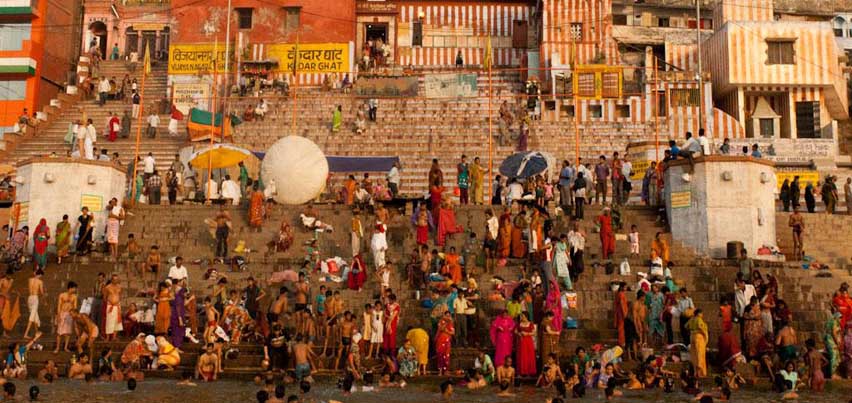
(524, 165)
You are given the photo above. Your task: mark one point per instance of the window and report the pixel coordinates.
(807, 120)
(767, 127)
(244, 17)
(293, 15)
(569, 111)
(595, 111)
(417, 34)
(837, 24)
(780, 52)
(663, 22)
(577, 31)
(622, 111)
(12, 36)
(586, 84)
(13, 90)
(662, 105)
(685, 97)
(619, 19)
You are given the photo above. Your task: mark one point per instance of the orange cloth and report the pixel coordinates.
(661, 248)
(504, 235)
(256, 209)
(164, 313)
(350, 186)
(454, 268)
(11, 313)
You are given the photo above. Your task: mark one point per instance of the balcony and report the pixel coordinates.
(18, 7)
(126, 3)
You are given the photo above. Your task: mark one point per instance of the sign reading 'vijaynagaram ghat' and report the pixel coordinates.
(197, 58)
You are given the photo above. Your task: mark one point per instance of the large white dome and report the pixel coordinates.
(298, 167)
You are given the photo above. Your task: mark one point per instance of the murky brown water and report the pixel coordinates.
(166, 391)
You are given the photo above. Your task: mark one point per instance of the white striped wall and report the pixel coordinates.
(467, 20)
(596, 19)
(684, 57)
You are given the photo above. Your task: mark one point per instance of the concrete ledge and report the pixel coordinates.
(67, 160)
(721, 158)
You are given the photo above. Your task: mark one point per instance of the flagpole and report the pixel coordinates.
(656, 115)
(213, 113)
(490, 122)
(295, 85)
(145, 70)
(574, 95)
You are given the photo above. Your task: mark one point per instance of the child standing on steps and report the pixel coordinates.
(633, 238)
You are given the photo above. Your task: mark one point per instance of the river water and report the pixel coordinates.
(167, 391)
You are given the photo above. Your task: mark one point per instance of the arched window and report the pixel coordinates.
(839, 26)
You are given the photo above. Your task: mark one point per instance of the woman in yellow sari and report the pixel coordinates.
(477, 173)
(661, 248)
(698, 343)
(256, 212)
(63, 238)
(168, 355)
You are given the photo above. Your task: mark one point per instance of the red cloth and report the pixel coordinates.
(356, 280)
(607, 236)
(526, 352)
(447, 225)
(389, 337)
(40, 243)
(423, 235)
(620, 314)
(844, 306)
(729, 347)
(113, 133)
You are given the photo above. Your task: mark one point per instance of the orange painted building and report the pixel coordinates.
(34, 56)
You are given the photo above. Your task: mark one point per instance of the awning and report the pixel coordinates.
(353, 164)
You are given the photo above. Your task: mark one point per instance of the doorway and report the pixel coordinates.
(375, 31)
(99, 37)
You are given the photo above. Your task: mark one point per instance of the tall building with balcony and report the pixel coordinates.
(34, 56)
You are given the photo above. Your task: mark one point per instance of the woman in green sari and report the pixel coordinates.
(63, 238)
(337, 119)
(832, 340)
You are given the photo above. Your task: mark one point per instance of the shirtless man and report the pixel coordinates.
(277, 307)
(505, 373)
(81, 368)
(797, 224)
(638, 314)
(223, 223)
(36, 288)
(49, 369)
(112, 296)
(347, 329)
(208, 364)
(64, 322)
(303, 357)
(212, 320)
(87, 331)
(302, 289)
(5, 288)
(785, 342)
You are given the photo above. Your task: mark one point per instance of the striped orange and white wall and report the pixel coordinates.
(743, 10)
(482, 19)
(596, 20)
(683, 57)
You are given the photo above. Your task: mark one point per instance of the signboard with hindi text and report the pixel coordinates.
(196, 58)
(95, 203)
(681, 199)
(805, 177)
(190, 95)
(450, 85)
(639, 168)
(313, 57)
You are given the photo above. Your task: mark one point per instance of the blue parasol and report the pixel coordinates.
(524, 165)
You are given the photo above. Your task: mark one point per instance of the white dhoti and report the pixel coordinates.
(356, 243)
(32, 304)
(173, 127)
(89, 147)
(308, 222)
(112, 322)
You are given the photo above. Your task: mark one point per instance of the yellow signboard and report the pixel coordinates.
(95, 203)
(804, 178)
(196, 58)
(189, 95)
(639, 168)
(148, 26)
(313, 57)
(681, 199)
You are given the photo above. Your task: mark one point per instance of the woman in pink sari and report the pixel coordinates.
(358, 273)
(502, 333)
(443, 343)
(553, 304)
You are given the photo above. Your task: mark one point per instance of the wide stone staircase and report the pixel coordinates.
(50, 138)
(180, 230)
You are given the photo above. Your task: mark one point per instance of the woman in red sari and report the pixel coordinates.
(256, 207)
(607, 236)
(113, 126)
(447, 223)
(843, 302)
(358, 273)
(422, 225)
(41, 236)
(392, 311)
(526, 331)
(620, 311)
(436, 193)
(443, 343)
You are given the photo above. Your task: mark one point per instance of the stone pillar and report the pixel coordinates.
(724, 198)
